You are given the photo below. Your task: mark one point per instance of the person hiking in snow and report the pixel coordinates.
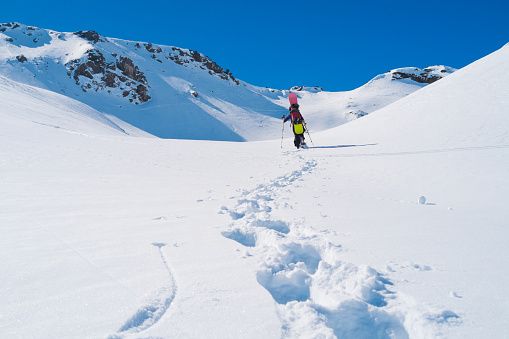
(298, 124)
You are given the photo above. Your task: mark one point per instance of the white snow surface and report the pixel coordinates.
(188, 100)
(109, 233)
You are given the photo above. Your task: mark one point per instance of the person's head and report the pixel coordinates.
(295, 106)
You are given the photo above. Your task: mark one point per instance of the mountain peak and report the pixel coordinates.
(95, 63)
(427, 75)
(156, 87)
(92, 36)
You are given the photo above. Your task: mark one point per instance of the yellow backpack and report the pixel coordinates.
(298, 127)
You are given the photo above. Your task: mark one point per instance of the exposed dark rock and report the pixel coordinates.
(143, 93)
(150, 48)
(9, 40)
(213, 66)
(94, 65)
(11, 25)
(128, 69)
(90, 36)
(176, 59)
(110, 80)
(196, 56)
(184, 57)
(423, 78)
(82, 70)
(302, 88)
(21, 58)
(96, 61)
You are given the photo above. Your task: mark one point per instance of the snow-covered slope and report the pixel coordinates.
(324, 110)
(172, 92)
(466, 109)
(24, 103)
(104, 235)
(449, 143)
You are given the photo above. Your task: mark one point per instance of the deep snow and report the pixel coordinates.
(107, 235)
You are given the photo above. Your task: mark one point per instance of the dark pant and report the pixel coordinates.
(299, 140)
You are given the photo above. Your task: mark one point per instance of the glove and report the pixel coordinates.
(284, 116)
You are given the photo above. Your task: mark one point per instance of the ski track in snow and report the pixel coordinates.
(316, 293)
(148, 315)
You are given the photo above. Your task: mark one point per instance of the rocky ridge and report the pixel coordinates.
(156, 87)
(427, 75)
(97, 69)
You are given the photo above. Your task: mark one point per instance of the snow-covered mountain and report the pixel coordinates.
(391, 226)
(325, 110)
(173, 92)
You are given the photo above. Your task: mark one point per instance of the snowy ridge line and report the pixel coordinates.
(315, 292)
(147, 316)
(148, 85)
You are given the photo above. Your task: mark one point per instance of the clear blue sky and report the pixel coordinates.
(338, 45)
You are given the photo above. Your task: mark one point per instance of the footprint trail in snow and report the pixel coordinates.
(316, 293)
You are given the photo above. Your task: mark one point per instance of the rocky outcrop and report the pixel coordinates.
(92, 36)
(151, 49)
(21, 58)
(94, 65)
(309, 89)
(122, 73)
(424, 76)
(11, 25)
(142, 92)
(128, 69)
(189, 57)
(113, 79)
